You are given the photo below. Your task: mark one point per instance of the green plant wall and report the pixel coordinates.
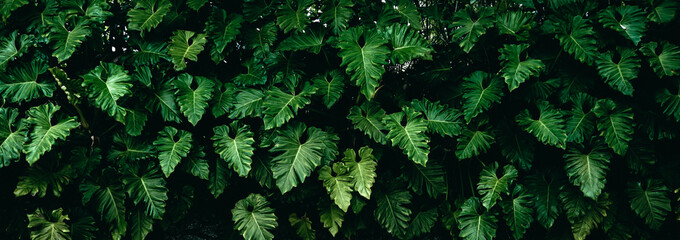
(322, 119)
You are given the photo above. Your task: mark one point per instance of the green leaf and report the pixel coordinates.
(135, 121)
(13, 133)
(516, 24)
(576, 37)
(107, 83)
(515, 70)
(330, 85)
(422, 223)
(440, 119)
(83, 225)
(218, 178)
(545, 191)
(548, 128)
(362, 172)
(193, 102)
(196, 4)
(298, 157)
(237, 150)
(127, 149)
(303, 226)
(409, 11)
(253, 218)
(261, 39)
(429, 179)
(368, 118)
(587, 168)
(45, 134)
(664, 12)
(619, 74)
(109, 200)
(583, 213)
(391, 212)
(223, 103)
(410, 137)
(337, 14)
(280, 107)
(222, 30)
(147, 14)
(481, 92)
(332, 218)
(491, 186)
(615, 124)
(262, 172)
(148, 187)
(472, 143)
(9, 50)
(172, 148)
(474, 222)
(629, 20)
(140, 224)
(292, 14)
(470, 24)
(670, 103)
(407, 44)
(66, 35)
(37, 180)
(518, 211)
(248, 104)
(46, 225)
(197, 165)
(150, 53)
(516, 145)
(9, 6)
(256, 74)
(310, 40)
(339, 186)
(363, 60)
(666, 62)
(181, 50)
(649, 202)
(581, 119)
(164, 101)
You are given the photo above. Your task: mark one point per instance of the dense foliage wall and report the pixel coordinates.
(314, 119)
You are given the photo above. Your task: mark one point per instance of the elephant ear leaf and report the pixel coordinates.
(363, 59)
(410, 137)
(253, 218)
(107, 83)
(549, 128)
(193, 102)
(297, 158)
(615, 124)
(185, 45)
(491, 186)
(391, 211)
(619, 74)
(237, 151)
(470, 25)
(149, 188)
(46, 225)
(172, 145)
(45, 134)
(516, 68)
(475, 222)
(66, 36)
(629, 20)
(649, 202)
(147, 14)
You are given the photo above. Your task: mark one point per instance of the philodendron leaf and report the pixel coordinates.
(363, 61)
(172, 146)
(649, 201)
(147, 14)
(297, 158)
(193, 102)
(549, 128)
(361, 171)
(338, 185)
(45, 133)
(517, 66)
(470, 24)
(410, 137)
(253, 218)
(237, 150)
(629, 20)
(475, 222)
(491, 185)
(185, 45)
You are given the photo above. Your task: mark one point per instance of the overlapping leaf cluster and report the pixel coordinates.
(408, 119)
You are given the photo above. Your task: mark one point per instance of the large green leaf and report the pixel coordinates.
(518, 211)
(548, 128)
(253, 218)
(330, 86)
(9, 6)
(440, 119)
(237, 150)
(337, 14)
(670, 102)
(429, 179)
(248, 104)
(580, 119)
(256, 75)
(217, 181)
(280, 107)
(13, 133)
(584, 214)
(303, 226)
(45, 134)
(422, 223)
(615, 123)
(362, 172)
(126, 148)
(472, 143)
(515, 24)
(140, 224)
(196, 164)
(148, 187)
(363, 52)
(10, 49)
(491, 186)
(185, 45)
(410, 137)
(649, 201)
(298, 157)
(368, 118)
(47, 225)
(517, 66)
(261, 39)
(629, 20)
(576, 37)
(663, 11)
(193, 102)
(338, 184)
(474, 222)
(147, 14)
(38, 180)
(66, 34)
(172, 148)
(545, 191)
(107, 83)
(109, 201)
(407, 44)
(332, 218)
(391, 211)
(587, 168)
(666, 62)
(222, 30)
(470, 24)
(310, 40)
(619, 74)
(292, 14)
(481, 92)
